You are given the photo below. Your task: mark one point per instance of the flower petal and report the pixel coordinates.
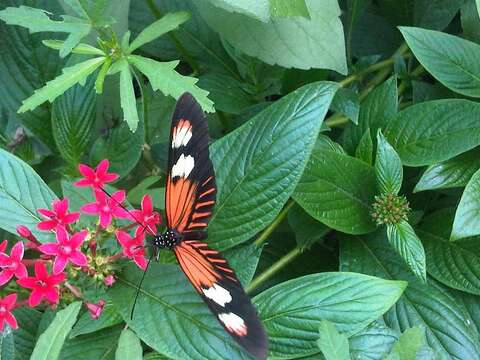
(47, 213)
(105, 220)
(123, 238)
(118, 196)
(62, 235)
(3, 246)
(59, 264)
(10, 300)
(35, 298)
(4, 259)
(21, 271)
(71, 218)
(141, 262)
(47, 225)
(56, 279)
(101, 197)
(147, 206)
(120, 213)
(5, 276)
(51, 294)
(110, 177)
(77, 239)
(102, 167)
(60, 207)
(83, 182)
(78, 258)
(17, 251)
(49, 248)
(91, 208)
(40, 270)
(86, 171)
(10, 319)
(28, 282)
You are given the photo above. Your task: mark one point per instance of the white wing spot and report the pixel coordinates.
(233, 323)
(183, 167)
(218, 294)
(181, 136)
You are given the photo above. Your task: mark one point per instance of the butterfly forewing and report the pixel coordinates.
(190, 198)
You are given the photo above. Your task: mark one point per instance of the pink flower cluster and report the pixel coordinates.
(68, 255)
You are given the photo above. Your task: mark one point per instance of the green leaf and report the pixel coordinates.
(452, 173)
(168, 300)
(375, 111)
(85, 324)
(338, 190)
(333, 345)
(289, 42)
(434, 131)
(22, 192)
(409, 247)
(388, 167)
(277, 143)
(455, 264)
(163, 77)
(373, 343)
(450, 59)
(409, 344)
(136, 193)
(50, 343)
(453, 337)
(350, 301)
(307, 229)
(467, 219)
(73, 118)
(287, 8)
(36, 20)
(477, 2)
(248, 256)
(347, 102)
(364, 149)
(167, 23)
(25, 336)
(129, 346)
(256, 9)
(82, 49)
(127, 96)
(56, 87)
(7, 346)
(121, 147)
(97, 345)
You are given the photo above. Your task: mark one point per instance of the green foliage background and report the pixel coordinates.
(320, 111)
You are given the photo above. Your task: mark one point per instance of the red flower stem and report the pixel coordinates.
(113, 258)
(31, 262)
(74, 290)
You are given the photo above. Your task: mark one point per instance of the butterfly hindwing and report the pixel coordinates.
(219, 287)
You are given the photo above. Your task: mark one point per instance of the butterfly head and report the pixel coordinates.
(168, 239)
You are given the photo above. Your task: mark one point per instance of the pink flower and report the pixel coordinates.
(59, 217)
(3, 246)
(106, 207)
(6, 306)
(12, 265)
(95, 309)
(133, 247)
(109, 280)
(98, 177)
(67, 249)
(147, 217)
(42, 284)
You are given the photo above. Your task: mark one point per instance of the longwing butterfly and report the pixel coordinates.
(189, 202)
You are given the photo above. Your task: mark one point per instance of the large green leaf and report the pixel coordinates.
(450, 59)
(256, 182)
(287, 8)
(452, 334)
(334, 346)
(455, 172)
(129, 346)
(22, 192)
(373, 343)
(338, 190)
(73, 117)
(467, 220)
(121, 147)
(257, 9)
(377, 108)
(50, 343)
(85, 324)
(348, 300)
(434, 131)
(168, 305)
(297, 42)
(455, 264)
(7, 345)
(409, 247)
(388, 167)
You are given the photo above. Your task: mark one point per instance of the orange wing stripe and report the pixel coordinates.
(205, 203)
(209, 191)
(181, 196)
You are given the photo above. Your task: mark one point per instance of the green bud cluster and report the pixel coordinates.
(389, 209)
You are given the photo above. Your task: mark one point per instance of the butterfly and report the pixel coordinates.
(189, 202)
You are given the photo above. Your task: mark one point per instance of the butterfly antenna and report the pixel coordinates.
(139, 286)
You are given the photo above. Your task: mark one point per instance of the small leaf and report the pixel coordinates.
(467, 216)
(408, 245)
(374, 342)
(51, 341)
(307, 229)
(167, 23)
(163, 77)
(85, 324)
(347, 102)
(22, 192)
(350, 301)
(7, 345)
(364, 149)
(408, 345)
(388, 167)
(82, 49)
(338, 190)
(56, 87)
(434, 131)
(287, 8)
(129, 346)
(452, 173)
(333, 345)
(450, 59)
(127, 96)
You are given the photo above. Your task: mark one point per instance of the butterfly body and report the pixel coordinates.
(167, 240)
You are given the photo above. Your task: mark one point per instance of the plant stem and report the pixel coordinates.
(272, 270)
(266, 233)
(173, 38)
